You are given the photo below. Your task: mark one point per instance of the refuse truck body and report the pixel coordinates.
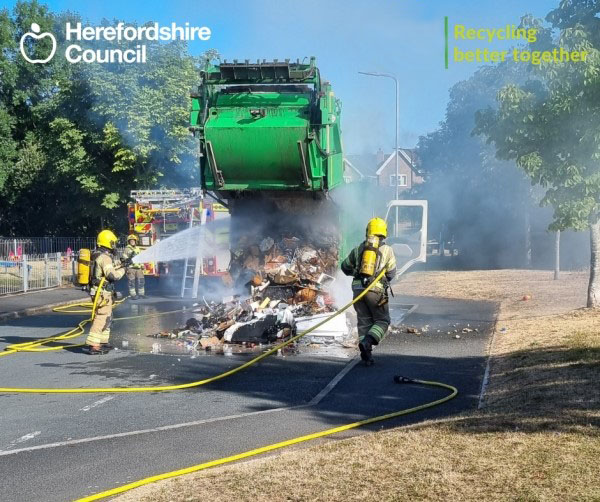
(267, 126)
(270, 137)
(271, 149)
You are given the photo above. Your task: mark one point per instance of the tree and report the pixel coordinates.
(551, 127)
(149, 105)
(473, 197)
(79, 137)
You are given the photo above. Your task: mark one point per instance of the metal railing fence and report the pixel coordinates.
(17, 247)
(30, 272)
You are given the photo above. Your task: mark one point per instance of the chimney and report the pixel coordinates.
(380, 156)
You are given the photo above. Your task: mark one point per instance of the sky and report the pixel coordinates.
(401, 37)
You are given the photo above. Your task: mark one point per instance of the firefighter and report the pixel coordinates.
(104, 265)
(365, 263)
(135, 272)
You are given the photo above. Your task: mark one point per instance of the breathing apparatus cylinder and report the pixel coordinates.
(83, 267)
(368, 261)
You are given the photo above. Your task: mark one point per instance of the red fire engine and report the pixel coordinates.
(156, 214)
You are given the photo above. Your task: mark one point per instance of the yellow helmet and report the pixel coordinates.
(132, 237)
(107, 239)
(377, 226)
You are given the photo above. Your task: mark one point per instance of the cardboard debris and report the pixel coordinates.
(395, 330)
(284, 260)
(208, 343)
(305, 295)
(279, 279)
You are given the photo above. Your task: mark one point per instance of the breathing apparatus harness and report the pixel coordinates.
(135, 250)
(94, 281)
(370, 264)
(370, 259)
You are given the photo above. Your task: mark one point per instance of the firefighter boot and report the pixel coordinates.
(366, 346)
(95, 350)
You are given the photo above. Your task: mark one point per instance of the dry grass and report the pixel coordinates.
(506, 286)
(430, 463)
(546, 370)
(537, 439)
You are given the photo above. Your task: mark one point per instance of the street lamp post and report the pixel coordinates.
(397, 177)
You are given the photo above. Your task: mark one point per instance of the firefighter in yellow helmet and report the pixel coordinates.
(135, 272)
(104, 265)
(365, 262)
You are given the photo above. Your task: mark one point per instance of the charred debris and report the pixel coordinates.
(280, 281)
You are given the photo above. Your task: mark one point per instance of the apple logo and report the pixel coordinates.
(34, 33)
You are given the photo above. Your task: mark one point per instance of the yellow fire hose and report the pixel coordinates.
(30, 346)
(34, 346)
(276, 446)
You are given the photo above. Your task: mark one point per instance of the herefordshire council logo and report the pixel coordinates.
(35, 34)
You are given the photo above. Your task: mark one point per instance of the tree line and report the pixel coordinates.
(516, 134)
(75, 138)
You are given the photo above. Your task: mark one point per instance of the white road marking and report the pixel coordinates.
(486, 374)
(24, 438)
(319, 397)
(333, 383)
(484, 384)
(97, 403)
(404, 315)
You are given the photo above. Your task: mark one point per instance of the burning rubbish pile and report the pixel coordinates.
(235, 321)
(283, 285)
(289, 269)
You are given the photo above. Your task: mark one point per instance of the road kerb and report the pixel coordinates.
(42, 309)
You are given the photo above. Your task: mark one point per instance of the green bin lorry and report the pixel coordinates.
(271, 149)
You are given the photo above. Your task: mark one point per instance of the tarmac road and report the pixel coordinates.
(61, 447)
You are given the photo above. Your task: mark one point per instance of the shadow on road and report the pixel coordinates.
(294, 380)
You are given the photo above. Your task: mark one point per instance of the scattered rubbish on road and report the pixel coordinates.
(283, 284)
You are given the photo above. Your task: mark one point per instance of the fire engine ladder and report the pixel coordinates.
(193, 267)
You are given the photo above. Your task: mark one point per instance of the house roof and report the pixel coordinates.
(368, 165)
(353, 167)
(365, 163)
(408, 156)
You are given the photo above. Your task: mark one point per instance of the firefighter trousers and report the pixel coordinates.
(372, 319)
(100, 330)
(135, 275)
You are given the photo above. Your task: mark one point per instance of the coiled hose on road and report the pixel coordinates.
(37, 346)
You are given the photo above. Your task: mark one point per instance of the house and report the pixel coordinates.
(351, 172)
(380, 168)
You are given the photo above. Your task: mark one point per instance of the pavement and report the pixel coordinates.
(37, 302)
(61, 447)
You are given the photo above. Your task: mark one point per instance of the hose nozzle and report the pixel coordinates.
(403, 379)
